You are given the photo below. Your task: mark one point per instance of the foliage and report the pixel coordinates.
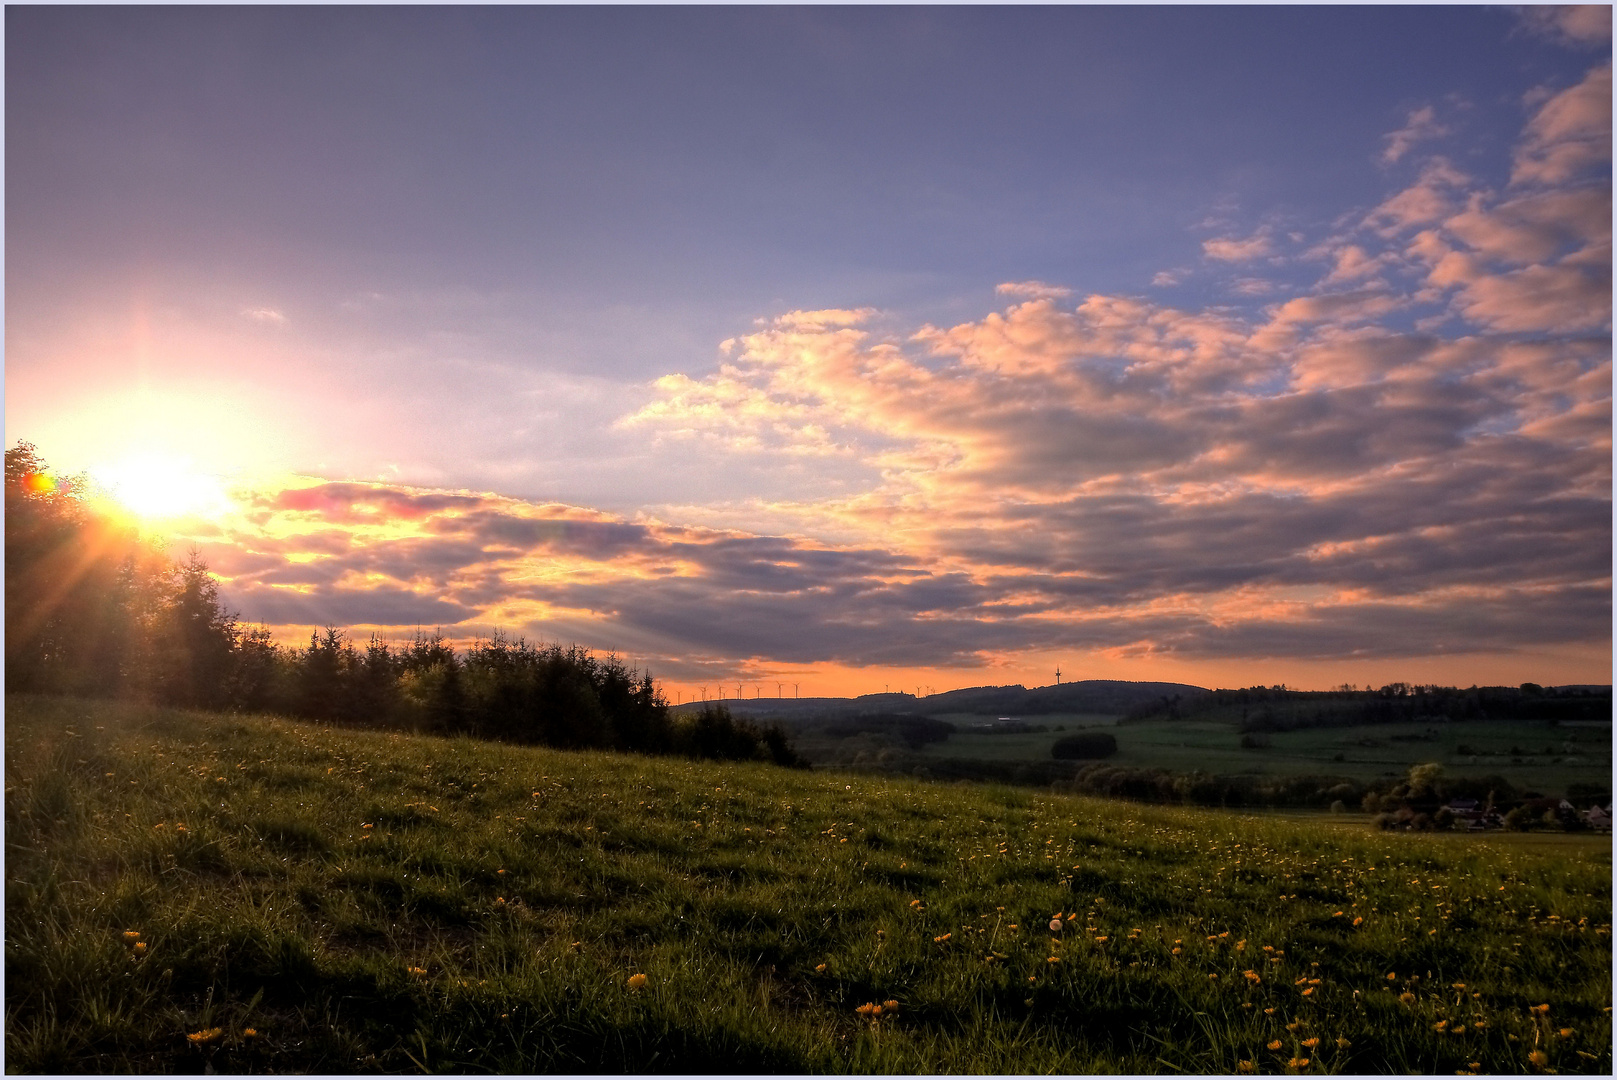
(191, 892)
(1085, 744)
(913, 731)
(1276, 708)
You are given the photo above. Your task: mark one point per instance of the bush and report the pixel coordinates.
(1255, 741)
(1085, 745)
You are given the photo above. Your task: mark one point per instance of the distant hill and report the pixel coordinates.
(1089, 696)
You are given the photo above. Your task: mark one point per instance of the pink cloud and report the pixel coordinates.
(1570, 134)
(1421, 126)
(1230, 249)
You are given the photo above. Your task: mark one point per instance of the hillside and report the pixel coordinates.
(189, 891)
(1108, 696)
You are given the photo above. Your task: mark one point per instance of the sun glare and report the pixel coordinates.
(155, 488)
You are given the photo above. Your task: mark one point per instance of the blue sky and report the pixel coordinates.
(479, 249)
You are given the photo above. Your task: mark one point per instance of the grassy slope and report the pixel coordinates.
(380, 902)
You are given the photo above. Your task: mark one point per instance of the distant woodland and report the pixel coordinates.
(93, 609)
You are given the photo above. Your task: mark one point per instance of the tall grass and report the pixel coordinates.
(189, 891)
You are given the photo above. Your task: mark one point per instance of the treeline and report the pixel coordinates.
(1276, 708)
(93, 610)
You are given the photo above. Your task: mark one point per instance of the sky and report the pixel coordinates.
(834, 350)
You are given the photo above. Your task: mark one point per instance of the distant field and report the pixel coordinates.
(188, 892)
(1550, 757)
(1376, 751)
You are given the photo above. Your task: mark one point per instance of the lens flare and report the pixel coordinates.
(155, 488)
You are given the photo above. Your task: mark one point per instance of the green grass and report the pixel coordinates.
(377, 902)
(1377, 751)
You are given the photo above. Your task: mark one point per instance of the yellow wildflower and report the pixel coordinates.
(131, 935)
(1311, 1043)
(819, 967)
(636, 981)
(1298, 1063)
(1275, 1045)
(1407, 998)
(1539, 1058)
(1342, 1044)
(205, 1036)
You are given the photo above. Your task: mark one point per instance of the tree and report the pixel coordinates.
(197, 638)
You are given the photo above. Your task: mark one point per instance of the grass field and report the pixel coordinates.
(1532, 756)
(187, 891)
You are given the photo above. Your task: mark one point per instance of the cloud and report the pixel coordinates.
(1165, 278)
(1229, 249)
(1429, 199)
(1033, 290)
(1570, 134)
(266, 315)
(1410, 456)
(1421, 126)
(1569, 24)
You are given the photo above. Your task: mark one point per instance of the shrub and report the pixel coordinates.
(1085, 745)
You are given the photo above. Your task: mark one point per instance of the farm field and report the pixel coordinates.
(1536, 756)
(188, 891)
(1552, 756)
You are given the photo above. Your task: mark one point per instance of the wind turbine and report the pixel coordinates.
(780, 689)
(794, 691)
(704, 693)
(1058, 675)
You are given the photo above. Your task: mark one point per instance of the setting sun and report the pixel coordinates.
(160, 488)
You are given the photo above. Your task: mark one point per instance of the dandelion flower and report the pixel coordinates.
(1310, 990)
(1565, 1033)
(205, 1036)
(1541, 1009)
(1440, 1025)
(1358, 921)
(1539, 1058)
(819, 967)
(249, 1033)
(1342, 1044)
(1311, 1043)
(890, 1005)
(140, 948)
(636, 981)
(1391, 976)
(1244, 1067)
(131, 935)
(1407, 998)
(1275, 1045)
(418, 972)
(1298, 1063)
(1458, 986)
(1054, 960)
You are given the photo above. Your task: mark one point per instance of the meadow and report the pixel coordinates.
(1532, 755)
(190, 891)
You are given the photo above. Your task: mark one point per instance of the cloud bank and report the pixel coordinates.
(1407, 457)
